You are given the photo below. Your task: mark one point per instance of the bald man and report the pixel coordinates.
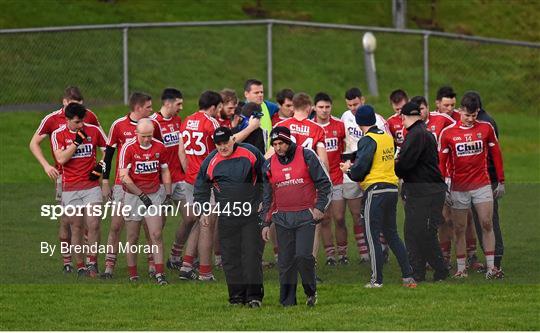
(142, 163)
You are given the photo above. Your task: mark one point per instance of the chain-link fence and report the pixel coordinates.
(109, 61)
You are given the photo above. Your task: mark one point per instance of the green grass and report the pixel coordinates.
(33, 287)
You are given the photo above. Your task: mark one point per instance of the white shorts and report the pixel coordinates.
(337, 192)
(118, 193)
(352, 191)
(137, 210)
(58, 192)
(179, 191)
(82, 197)
(462, 200)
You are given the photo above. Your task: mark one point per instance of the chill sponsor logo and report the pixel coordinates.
(331, 144)
(83, 150)
(355, 132)
(192, 125)
(289, 182)
(142, 167)
(171, 139)
(300, 129)
(469, 148)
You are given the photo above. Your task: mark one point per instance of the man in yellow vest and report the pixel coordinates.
(374, 169)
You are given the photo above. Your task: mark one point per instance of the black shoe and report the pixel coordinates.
(161, 280)
(254, 304)
(92, 270)
(174, 265)
(106, 276)
(82, 272)
(188, 275)
(311, 300)
(330, 261)
(68, 269)
(343, 260)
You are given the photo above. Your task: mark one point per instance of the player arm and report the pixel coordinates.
(444, 153)
(107, 159)
(364, 159)
(320, 178)
(268, 195)
(496, 155)
(182, 155)
(253, 124)
(128, 182)
(166, 179)
(61, 153)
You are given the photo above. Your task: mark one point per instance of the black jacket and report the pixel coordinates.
(364, 156)
(234, 179)
(418, 162)
(484, 116)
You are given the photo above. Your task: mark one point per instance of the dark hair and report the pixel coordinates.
(251, 82)
(419, 100)
(209, 99)
(301, 100)
(470, 103)
(73, 110)
(321, 96)
(475, 94)
(73, 93)
(228, 95)
(171, 93)
(445, 92)
(249, 108)
(138, 99)
(284, 94)
(398, 95)
(353, 93)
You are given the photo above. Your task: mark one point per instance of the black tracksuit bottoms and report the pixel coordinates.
(241, 252)
(423, 214)
(295, 256)
(380, 216)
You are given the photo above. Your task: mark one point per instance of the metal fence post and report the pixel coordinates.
(125, 64)
(426, 66)
(269, 59)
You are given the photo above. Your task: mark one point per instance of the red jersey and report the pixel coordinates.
(197, 131)
(335, 143)
(55, 120)
(122, 130)
(454, 114)
(276, 118)
(436, 122)
(224, 122)
(395, 125)
(144, 164)
(305, 132)
(77, 169)
(465, 149)
(170, 133)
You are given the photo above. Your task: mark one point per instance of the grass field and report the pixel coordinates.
(33, 287)
(35, 295)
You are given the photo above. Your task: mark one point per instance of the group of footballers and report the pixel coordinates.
(158, 156)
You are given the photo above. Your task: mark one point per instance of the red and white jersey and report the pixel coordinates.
(395, 125)
(276, 118)
(335, 142)
(170, 134)
(305, 132)
(463, 155)
(55, 120)
(224, 122)
(353, 132)
(436, 122)
(122, 130)
(144, 164)
(454, 114)
(197, 132)
(77, 170)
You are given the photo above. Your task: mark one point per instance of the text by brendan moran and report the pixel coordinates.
(65, 248)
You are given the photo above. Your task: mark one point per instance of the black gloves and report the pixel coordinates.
(80, 136)
(145, 199)
(98, 171)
